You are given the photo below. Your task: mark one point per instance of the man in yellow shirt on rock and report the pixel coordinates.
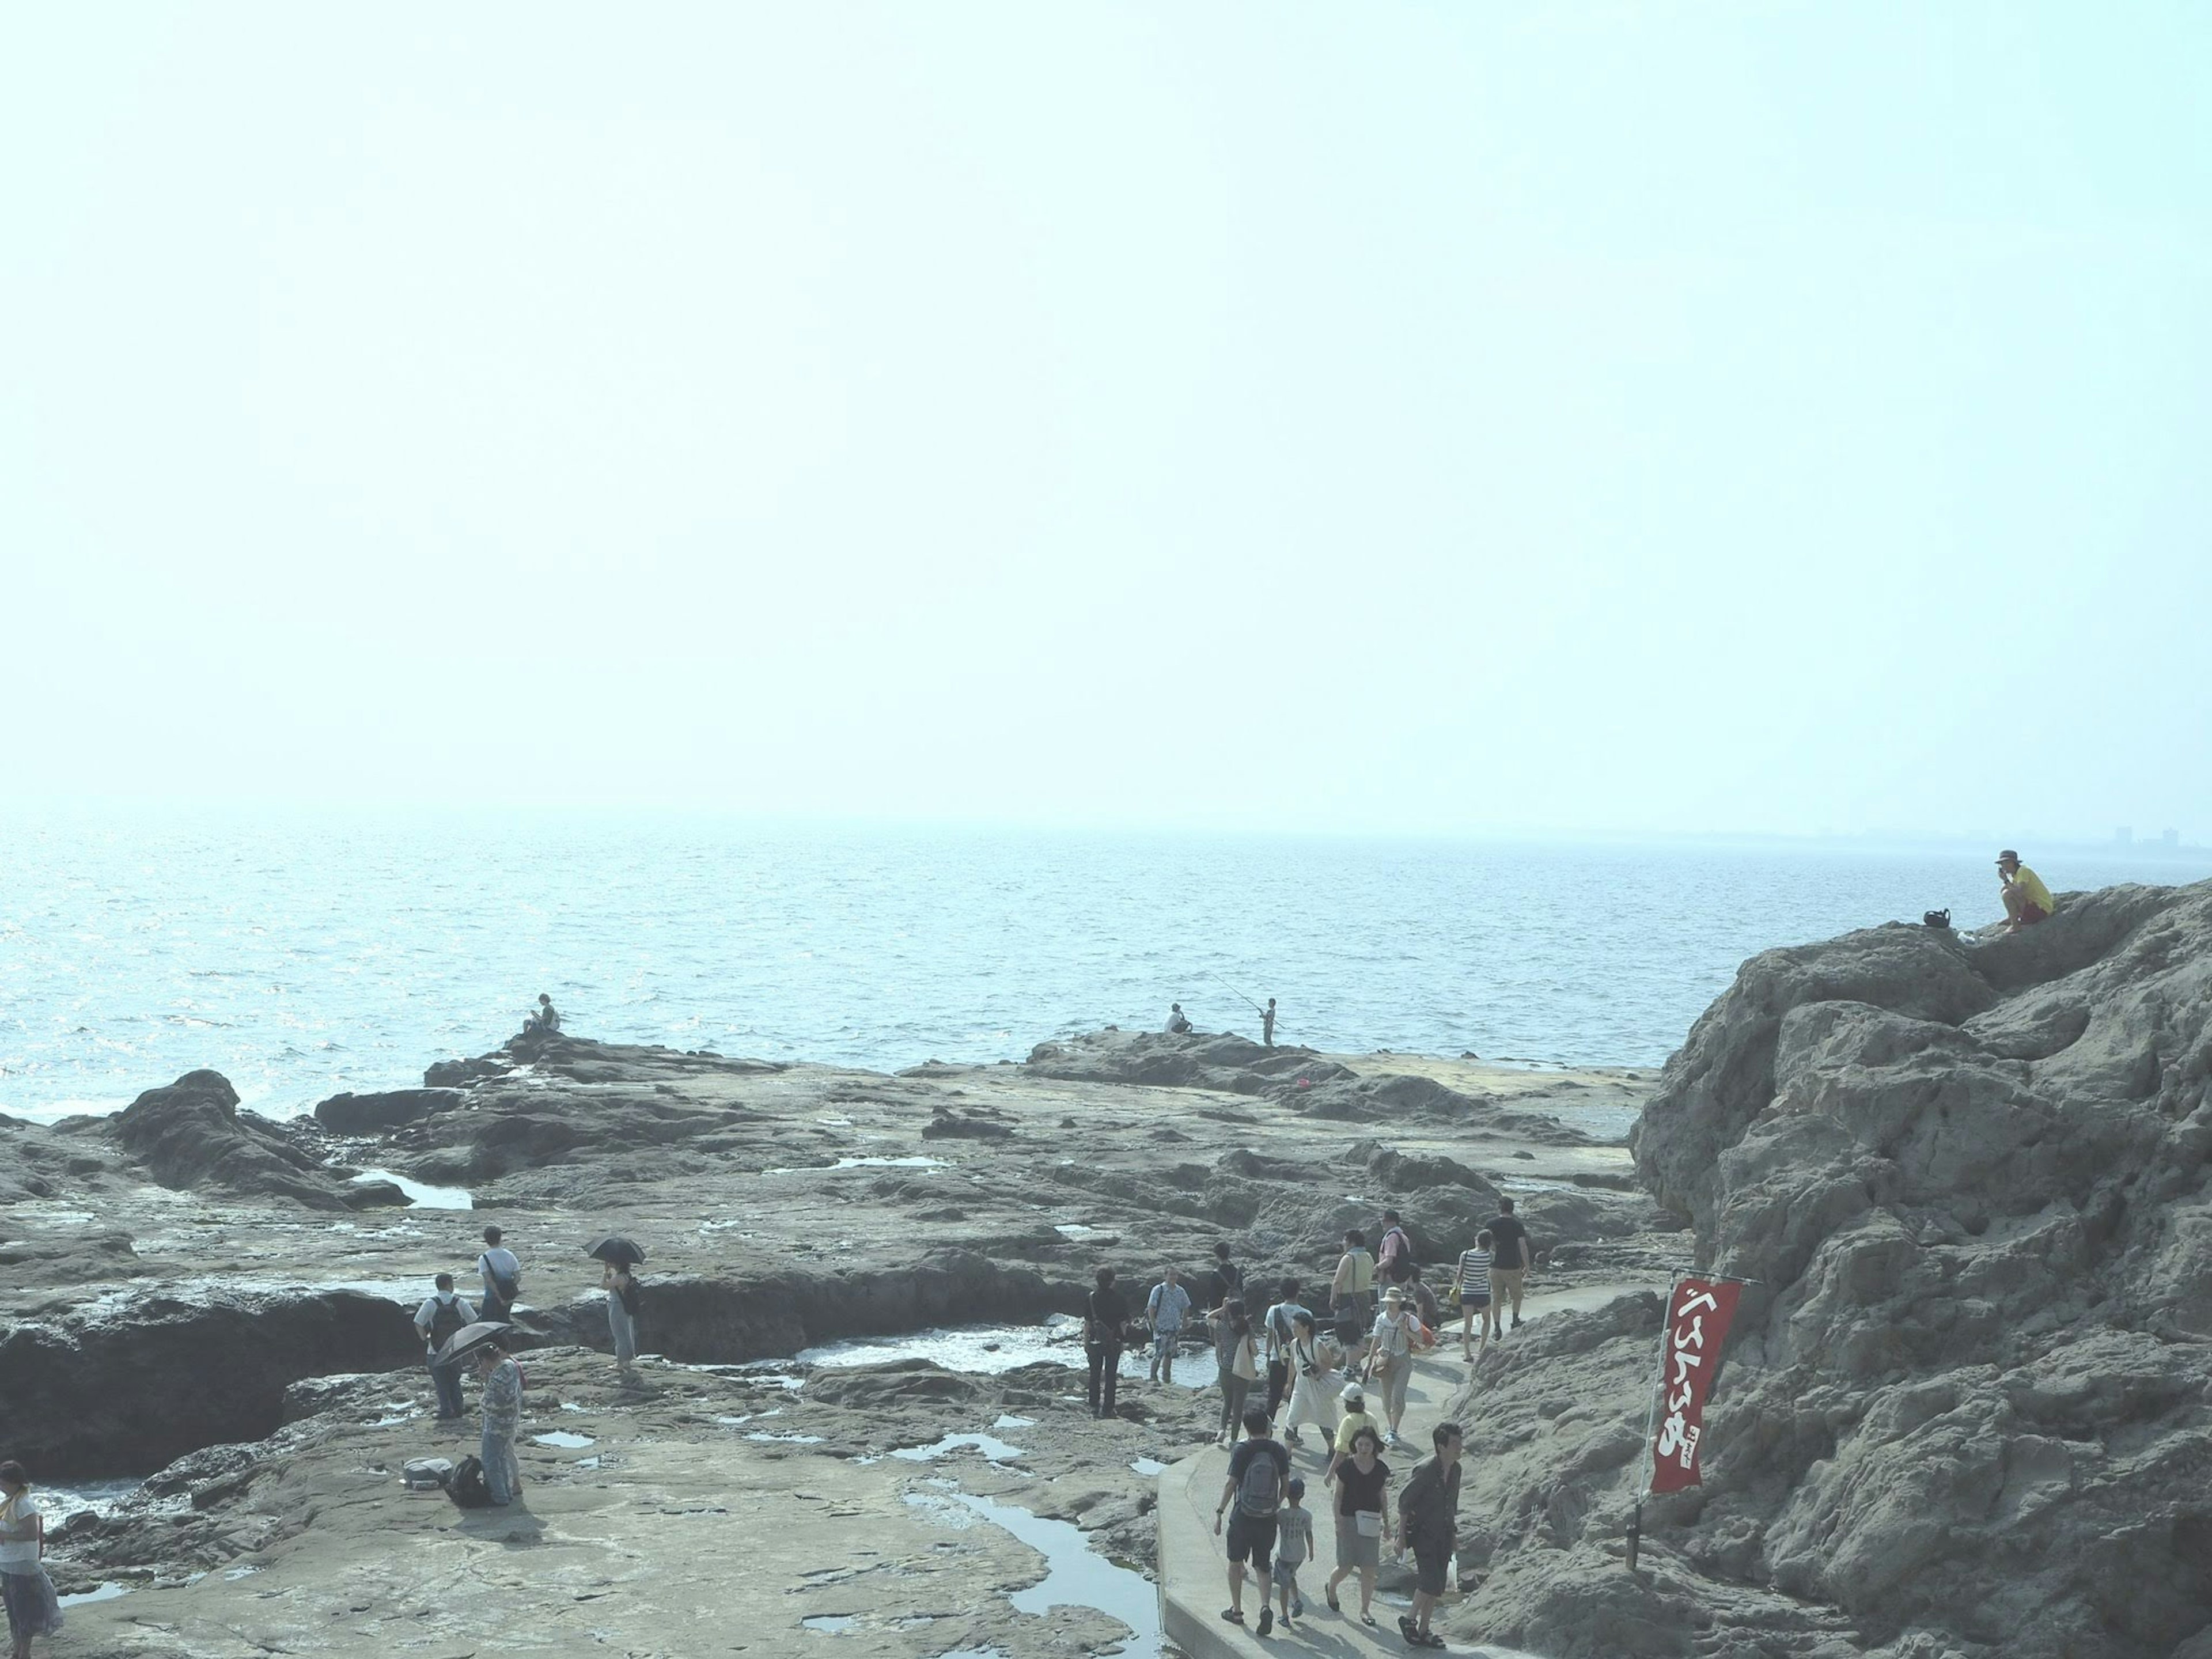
(2026, 900)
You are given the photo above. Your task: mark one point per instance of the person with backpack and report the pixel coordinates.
(502, 1278)
(1259, 1473)
(1277, 1329)
(1394, 1256)
(1428, 1523)
(33, 1607)
(1237, 1353)
(624, 1298)
(503, 1420)
(1165, 1310)
(1352, 1293)
(437, 1320)
(1105, 1326)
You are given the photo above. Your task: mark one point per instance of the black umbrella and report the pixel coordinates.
(467, 1339)
(617, 1251)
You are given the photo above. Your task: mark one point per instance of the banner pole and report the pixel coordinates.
(1651, 1425)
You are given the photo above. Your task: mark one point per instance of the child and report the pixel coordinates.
(33, 1607)
(1294, 1545)
(1474, 1296)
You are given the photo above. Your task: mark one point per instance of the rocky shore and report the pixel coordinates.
(1965, 1410)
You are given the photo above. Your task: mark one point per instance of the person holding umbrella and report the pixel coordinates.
(502, 1418)
(618, 1255)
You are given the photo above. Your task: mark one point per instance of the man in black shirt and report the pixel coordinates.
(1259, 1471)
(1428, 1522)
(1227, 1279)
(1510, 1258)
(1105, 1318)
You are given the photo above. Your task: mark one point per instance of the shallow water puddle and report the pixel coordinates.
(1076, 1575)
(994, 1450)
(834, 1623)
(859, 1164)
(562, 1437)
(787, 1439)
(990, 1349)
(107, 1591)
(421, 1194)
(1148, 1466)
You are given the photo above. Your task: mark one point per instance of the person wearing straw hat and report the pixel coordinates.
(2026, 900)
(1390, 1357)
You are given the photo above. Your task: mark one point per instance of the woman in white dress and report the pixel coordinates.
(1313, 1382)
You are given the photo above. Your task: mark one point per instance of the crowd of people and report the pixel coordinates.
(1344, 1372)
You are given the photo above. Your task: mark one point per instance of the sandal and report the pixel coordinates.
(1232, 1615)
(1431, 1639)
(1368, 1620)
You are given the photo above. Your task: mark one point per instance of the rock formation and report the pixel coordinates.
(1964, 1412)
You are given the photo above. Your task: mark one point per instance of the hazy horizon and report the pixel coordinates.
(1452, 420)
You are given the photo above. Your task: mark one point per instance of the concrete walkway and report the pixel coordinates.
(1194, 1570)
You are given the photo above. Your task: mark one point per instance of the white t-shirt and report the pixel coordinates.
(428, 1311)
(20, 1508)
(502, 1259)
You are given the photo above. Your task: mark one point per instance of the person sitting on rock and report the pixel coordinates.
(1178, 1022)
(2026, 900)
(543, 1021)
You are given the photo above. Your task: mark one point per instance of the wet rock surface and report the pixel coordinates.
(1965, 1412)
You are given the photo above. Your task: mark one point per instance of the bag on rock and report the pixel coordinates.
(1936, 919)
(467, 1486)
(426, 1473)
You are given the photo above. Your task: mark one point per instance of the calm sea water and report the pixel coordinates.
(306, 955)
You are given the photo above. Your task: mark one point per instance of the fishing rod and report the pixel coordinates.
(1234, 992)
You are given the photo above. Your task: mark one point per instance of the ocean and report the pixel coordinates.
(302, 954)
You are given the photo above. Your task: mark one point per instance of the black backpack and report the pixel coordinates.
(445, 1319)
(467, 1486)
(1936, 919)
(632, 1296)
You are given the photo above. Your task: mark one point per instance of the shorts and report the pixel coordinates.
(1467, 1301)
(1285, 1573)
(1507, 1281)
(1431, 1567)
(1253, 1537)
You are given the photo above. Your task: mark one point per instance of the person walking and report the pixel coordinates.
(1394, 1256)
(1390, 1358)
(1105, 1320)
(437, 1320)
(1363, 1517)
(1352, 1293)
(1313, 1382)
(1510, 1258)
(1474, 1279)
(1428, 1525)
(1356, 1417)
(1259, 1474)
(1236, 1351)
(502, 1419)
(618, 1280)
(1165, 1310)
(33, 1607)
(1267, 1025)
(1226, 1280)
(501, 1274)
(1294, 1547)
(1278, 1328)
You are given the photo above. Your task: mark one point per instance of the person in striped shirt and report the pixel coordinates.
(1474, 1296)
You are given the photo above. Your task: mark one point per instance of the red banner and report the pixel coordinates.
(1697, 1317)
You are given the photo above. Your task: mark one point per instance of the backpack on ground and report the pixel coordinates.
(446, 1318)
(1260, 1494)
(467, 1486)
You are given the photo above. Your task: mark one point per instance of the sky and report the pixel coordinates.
(1440, 417)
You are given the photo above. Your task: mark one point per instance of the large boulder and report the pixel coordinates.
(373, 1113)
(1965, 1410)
(191, 1135)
